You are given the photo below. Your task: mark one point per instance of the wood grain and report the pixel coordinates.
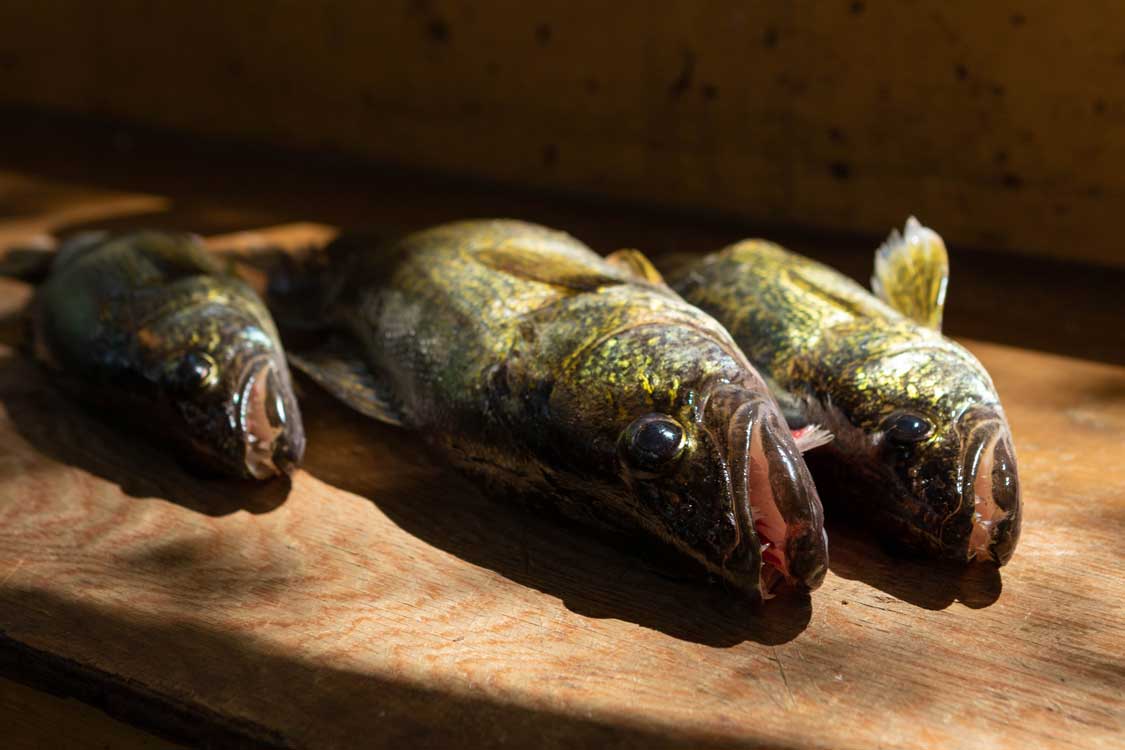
(377, 599)
(999, 122)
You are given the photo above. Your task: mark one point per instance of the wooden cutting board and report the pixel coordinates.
(378, 600)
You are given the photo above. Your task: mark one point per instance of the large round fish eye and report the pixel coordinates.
(195, 371)
(652, 442)
(906, 429)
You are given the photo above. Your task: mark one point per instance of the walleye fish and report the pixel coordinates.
(549, 372)
(148, 326)
(921, 442)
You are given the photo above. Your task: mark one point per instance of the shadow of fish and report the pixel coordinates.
(921, 444)
(548, 372)
(146, 327)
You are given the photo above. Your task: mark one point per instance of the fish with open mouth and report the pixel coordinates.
(550, 373)
(147, 327)
(922, 445)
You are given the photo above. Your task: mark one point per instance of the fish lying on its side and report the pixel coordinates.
(921, 441)
(147, 327)
(549, 372)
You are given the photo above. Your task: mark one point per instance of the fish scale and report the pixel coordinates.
(126, 321)
(586, 384)
(866, 368)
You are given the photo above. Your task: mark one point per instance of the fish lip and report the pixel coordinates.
(988, 444)
(284, 449)
(804, 542)
(746, 558)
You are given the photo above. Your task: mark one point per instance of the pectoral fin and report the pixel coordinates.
(547, 267)
(635, 262)
(911, 272)
(796, 410)
(811, 436)
(339, 368)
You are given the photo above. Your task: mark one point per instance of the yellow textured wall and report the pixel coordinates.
(999, 123)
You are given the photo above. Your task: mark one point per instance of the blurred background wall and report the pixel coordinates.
(998, 123)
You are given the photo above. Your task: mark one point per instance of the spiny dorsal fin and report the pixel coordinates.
(547, 267)
(911, 272)
(635, 262)
(339, 368)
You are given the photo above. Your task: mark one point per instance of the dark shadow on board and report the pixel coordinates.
(594, 573)
(324, 706)
(930, 584)
(61, 428)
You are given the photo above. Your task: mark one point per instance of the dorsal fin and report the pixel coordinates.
(911, 273)
(635, 262)
(547, 267)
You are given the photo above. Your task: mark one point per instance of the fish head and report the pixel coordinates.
(935, 446)
(731, 486)
(707, 460)
(227, 390)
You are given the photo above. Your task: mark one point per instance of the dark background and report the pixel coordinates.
(999, 124)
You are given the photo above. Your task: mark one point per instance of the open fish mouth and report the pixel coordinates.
(778, 507)
(266, 422)
(991, 481)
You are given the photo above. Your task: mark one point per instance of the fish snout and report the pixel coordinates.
(778, 506)
(796, 499)
(269, 422)
(991, 485)
(289, 450)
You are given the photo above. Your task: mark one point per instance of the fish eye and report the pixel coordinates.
(195, 371)
(652, 442)
(905, 428)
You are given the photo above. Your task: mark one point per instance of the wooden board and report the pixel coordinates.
(33, 720)
(379, 600)
(1000, 122)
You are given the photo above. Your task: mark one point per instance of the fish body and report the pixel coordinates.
(148, 327)
(551, 373)
(922, 445)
